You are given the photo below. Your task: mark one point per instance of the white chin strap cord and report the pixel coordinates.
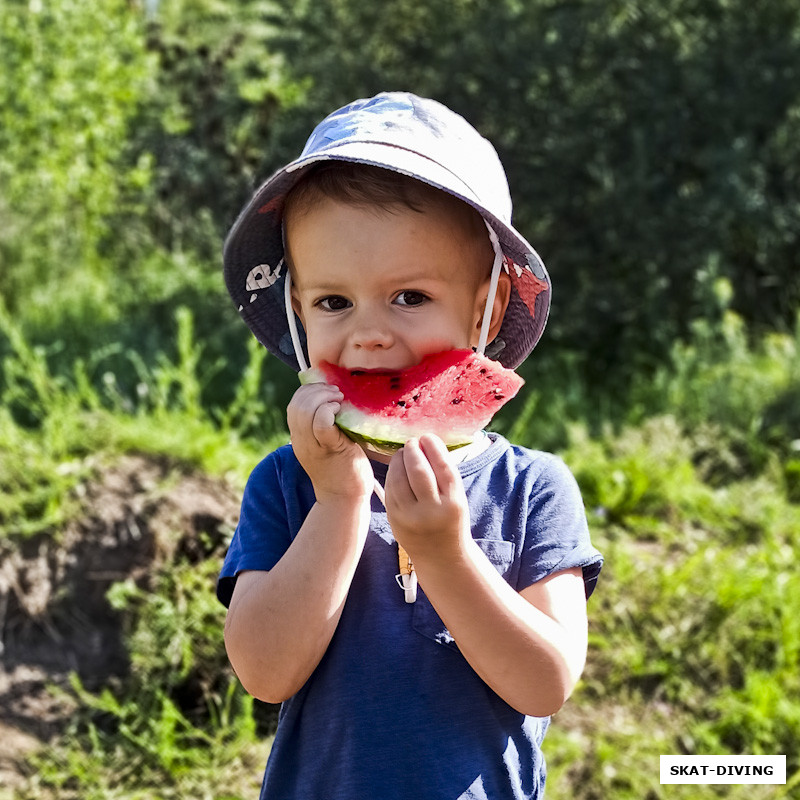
(496, 267)
(485, 322)
(290, 315)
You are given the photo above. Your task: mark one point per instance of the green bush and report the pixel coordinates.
(694, 636)
(174, 629)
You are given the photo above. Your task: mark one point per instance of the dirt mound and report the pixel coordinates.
(54, 616)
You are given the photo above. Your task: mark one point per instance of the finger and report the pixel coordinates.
(421, 477)
(308, 398)
(314, 393)
(323, 424)
(398, 491)
(445, 473)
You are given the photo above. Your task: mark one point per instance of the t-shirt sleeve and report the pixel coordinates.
(263, 533)
(557, 534)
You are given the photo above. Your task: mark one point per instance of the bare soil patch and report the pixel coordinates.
(54, 617)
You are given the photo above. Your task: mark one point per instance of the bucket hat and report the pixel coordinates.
(414, 136)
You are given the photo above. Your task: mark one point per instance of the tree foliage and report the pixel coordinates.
(648, 145)
(207, 125)
(72, 77)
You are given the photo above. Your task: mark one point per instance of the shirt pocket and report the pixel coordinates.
(425, 619)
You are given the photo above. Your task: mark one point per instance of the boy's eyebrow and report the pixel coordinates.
(404, 280)
(320, 287)
(421, 276)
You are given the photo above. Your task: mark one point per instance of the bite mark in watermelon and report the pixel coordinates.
(452, 394)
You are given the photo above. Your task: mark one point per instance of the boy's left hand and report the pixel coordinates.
(426, 505)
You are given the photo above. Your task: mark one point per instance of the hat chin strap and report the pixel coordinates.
(485, 322)
(496, 267)
(287, 298)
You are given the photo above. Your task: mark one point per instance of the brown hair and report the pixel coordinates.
(364, 185)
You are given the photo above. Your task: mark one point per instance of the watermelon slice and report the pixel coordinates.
(452, 394)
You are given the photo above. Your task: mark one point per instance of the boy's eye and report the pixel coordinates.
(334, 303)
(410, 298)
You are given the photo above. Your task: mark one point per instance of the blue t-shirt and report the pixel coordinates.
(393, 710)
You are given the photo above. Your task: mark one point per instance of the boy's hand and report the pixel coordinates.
(425, 500)
(337, 466)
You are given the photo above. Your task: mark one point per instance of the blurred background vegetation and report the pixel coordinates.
(652, 161)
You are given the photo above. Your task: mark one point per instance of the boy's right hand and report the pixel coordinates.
(337, 466)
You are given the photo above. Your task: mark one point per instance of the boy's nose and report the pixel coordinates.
(369, 333)
(372, 338)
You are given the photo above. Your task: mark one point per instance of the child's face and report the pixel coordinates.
(378, 289)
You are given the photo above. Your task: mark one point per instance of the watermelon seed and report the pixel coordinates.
(415, 397)
(483, 370)
(401, 403)
(455, 401)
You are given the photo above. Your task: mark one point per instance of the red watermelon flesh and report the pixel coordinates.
(452, 394)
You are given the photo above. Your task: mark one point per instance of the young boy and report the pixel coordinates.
(390, 238)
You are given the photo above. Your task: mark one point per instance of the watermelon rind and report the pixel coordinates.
(383, 446)
(311, 375)
(388, 439)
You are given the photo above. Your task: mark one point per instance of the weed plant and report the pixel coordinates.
(56, 428)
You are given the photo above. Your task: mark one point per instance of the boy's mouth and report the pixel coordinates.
(377, 372)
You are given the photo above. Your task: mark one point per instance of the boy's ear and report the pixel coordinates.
(501, 299)
(296, 307)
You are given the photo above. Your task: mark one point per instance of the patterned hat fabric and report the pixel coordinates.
(413, 136)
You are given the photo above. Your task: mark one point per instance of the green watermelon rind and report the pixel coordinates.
(311, 375)
(387, 437)
(383, 446)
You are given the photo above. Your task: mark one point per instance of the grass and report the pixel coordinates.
(693, 496)
(54, 428)
(144, 747)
